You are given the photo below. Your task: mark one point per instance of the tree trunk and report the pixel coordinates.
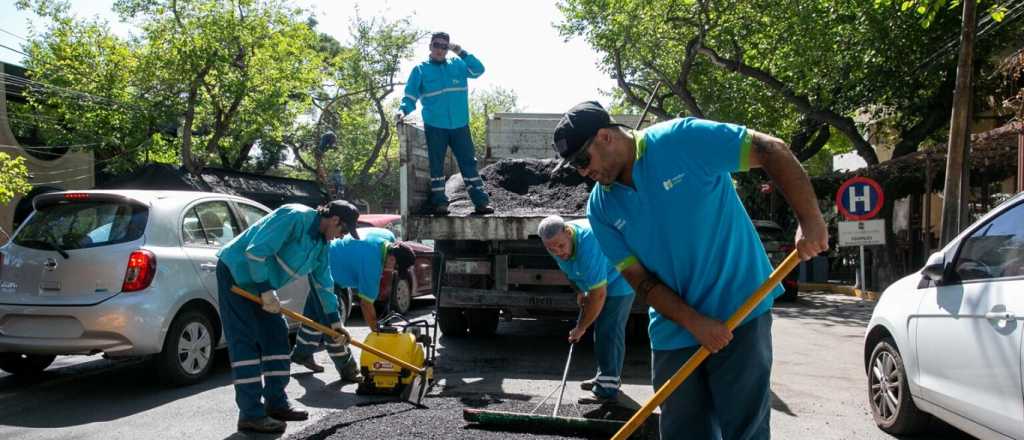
(187, 158)
(957, 185)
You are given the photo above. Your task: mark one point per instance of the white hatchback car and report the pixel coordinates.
(124, 273)
(946, 341)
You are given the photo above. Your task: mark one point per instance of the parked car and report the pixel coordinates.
(397, 292)
(946, 341)
(778, 246)
(124, 273)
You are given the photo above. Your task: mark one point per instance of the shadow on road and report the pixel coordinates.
(828, 310)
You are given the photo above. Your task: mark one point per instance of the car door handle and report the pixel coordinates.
(209, 267)
(1001, 316)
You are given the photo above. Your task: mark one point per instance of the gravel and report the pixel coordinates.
(525, 187)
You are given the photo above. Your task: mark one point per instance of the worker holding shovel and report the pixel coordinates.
(310, 339)
(282, 246)
(667, 214)
(606, 302)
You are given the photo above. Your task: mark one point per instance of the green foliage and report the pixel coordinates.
(13, 178)
(482, 104)
(929, 9)
(207, 78)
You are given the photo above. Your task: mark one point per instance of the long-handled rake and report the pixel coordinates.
(413, 393)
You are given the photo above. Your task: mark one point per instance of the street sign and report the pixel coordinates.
(862, 233)
(859, 198)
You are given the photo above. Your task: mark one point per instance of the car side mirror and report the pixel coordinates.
(934, 272)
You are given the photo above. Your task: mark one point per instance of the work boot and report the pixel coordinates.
(265, 425)
(291, 413)
(588, 384)
(593, 398)
(308, 362)
(350, 372)
(483, 210)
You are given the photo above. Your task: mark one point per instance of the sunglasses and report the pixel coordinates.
(439, 45)
(581, 159)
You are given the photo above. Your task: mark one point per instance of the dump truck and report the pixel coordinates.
(492, 267)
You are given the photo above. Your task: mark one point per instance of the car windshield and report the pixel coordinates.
(82, 225)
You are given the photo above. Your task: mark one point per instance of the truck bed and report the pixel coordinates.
(498, 226)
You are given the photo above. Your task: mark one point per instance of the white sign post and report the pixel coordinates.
(860, 234)
(858, 200)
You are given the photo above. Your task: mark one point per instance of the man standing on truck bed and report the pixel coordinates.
(667, 214)
(606, 301)
(441, 84)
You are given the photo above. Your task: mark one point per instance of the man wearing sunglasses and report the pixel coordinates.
(440, 83)
(667, 215)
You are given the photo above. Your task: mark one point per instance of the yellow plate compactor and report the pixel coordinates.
(411, 341)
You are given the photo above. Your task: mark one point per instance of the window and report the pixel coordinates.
(251, 214)
(996, 250)
(209, 224)
(82, 225)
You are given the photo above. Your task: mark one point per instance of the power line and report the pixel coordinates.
(13, 34)
(15, 80)
(13, 49)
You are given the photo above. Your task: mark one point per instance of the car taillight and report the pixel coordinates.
(141, 269)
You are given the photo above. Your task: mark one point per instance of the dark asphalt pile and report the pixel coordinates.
(442, 419)
(525, 187)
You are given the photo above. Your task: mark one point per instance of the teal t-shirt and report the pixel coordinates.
(685, 223)
(358, 264)
(588, 268)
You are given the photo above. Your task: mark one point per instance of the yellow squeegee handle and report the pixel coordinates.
(702, 353)
(328, 331)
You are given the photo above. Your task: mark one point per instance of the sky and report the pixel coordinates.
(516, 41)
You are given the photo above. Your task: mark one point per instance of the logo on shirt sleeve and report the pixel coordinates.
(669, 183)
(620, 223)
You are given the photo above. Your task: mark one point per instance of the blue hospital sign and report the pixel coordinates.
(859, 198)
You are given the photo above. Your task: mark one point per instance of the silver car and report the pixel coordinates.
(124, 273)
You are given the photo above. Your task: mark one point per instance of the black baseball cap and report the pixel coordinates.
(577, 126)
(347, 212)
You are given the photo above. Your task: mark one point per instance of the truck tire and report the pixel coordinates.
(25, 364)
(483, 322)
(452, 321)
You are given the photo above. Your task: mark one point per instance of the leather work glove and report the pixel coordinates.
(271, 303)
(343, 336)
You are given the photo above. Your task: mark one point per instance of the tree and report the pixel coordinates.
(804, 70)
(204, 78)
(353, 102)
(13, 178)
(484, 103)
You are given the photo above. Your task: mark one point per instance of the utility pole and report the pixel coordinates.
(954, 204)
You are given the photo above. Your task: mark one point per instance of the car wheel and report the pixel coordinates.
(344, 304)
(401, 296)
(483, 322)
(188, 349)
(452, 321)
(889, 393)
(25, 364)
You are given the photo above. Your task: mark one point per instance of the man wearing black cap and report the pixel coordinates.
(290, 242)
(441, 84)
(667, 215)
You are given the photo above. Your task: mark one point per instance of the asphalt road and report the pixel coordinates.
(818, 388)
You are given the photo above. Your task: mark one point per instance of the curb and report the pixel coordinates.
(839, 289)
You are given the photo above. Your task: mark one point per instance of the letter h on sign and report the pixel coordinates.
(864, 197)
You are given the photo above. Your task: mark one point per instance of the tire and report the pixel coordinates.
(25, 364)
(401, 296)
(344, 304)
(483, 322)
(181, 362)
(894, 411)
(789, 295)
(452, 321)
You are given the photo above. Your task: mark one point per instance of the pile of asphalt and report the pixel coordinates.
(525, 187)
(443, 419)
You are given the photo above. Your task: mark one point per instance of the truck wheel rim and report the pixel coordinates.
(885, 386)
(403, 297)
(194, 348)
